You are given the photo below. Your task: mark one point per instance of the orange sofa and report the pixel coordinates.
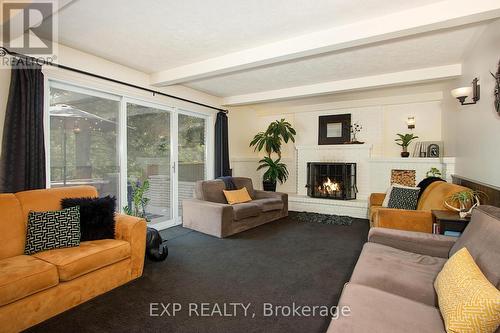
(412, 220)
(37, 287)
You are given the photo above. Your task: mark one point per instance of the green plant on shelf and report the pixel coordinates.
(433, 172)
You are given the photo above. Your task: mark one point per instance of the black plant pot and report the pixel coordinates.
(405, 154)
(269, 186)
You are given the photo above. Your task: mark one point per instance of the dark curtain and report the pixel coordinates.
(22, 164)
(221, 146)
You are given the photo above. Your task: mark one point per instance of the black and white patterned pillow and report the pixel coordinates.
(404, 198)
(52, 230)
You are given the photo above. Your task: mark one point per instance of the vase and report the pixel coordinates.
(405, 152)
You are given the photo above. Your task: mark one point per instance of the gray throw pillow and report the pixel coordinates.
(404, 198)
(52, 230)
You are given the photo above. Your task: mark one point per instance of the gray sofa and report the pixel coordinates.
(209, 212)
(391, 288)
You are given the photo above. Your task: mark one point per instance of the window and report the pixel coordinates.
(83, 140)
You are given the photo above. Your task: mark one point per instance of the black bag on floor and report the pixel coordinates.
(156, 247)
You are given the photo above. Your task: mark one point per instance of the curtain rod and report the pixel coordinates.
(4, 51)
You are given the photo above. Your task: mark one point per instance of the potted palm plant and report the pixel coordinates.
(404, 141)
(276, 171)
(139, 201)
(271, 141)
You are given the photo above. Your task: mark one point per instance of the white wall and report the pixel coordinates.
(87, 62)
(473, 131)
(382, 115)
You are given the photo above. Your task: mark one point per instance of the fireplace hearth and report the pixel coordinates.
(331, 180)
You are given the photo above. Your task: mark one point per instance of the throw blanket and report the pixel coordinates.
(426, 182)
(228, 183)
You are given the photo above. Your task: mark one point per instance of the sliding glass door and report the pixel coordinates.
(149, 156)
(149, 148)
(192, 150)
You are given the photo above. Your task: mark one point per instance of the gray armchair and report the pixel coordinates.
(209, 212)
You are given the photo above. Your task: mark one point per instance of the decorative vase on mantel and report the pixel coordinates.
(405, 152)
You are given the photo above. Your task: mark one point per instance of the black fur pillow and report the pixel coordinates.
(97, 216)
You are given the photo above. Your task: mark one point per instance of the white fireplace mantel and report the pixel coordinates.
(363, 146)
(357, 153)
(373, 174)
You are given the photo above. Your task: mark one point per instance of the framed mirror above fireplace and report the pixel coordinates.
(334, 129)
(331, 180)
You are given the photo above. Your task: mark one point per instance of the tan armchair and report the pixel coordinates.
(412, 220)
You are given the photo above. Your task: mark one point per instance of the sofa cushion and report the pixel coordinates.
(210, 190)
(399, 272)
(12, 226)
(89, 256)
(241, 182)
(237, 196)
(403, 197)
(244, 210)
(52, 230)
(97, 216)
(481, 238)
(50, 199)
(467, 300)
(377, 311)
(434, 195)
(269, 204)
(23, 275)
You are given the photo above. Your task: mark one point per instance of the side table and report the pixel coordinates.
(446, 220)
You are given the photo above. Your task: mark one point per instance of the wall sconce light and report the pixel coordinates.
(410, 122)
(462, 93)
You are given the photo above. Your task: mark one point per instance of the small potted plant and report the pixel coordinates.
(465, 200)
(271, 140)
(139, 201)
(433, 172)
(404, 141)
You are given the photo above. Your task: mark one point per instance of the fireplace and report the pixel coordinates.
(331, 180)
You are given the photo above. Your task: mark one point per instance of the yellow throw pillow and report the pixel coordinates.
(468, 302)
(237, 196)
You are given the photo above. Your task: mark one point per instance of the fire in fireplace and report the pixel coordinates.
(331, 180)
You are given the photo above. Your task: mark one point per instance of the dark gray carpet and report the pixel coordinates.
(282, 262)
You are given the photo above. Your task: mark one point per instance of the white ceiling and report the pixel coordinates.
(156, 36)
(441, 48)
